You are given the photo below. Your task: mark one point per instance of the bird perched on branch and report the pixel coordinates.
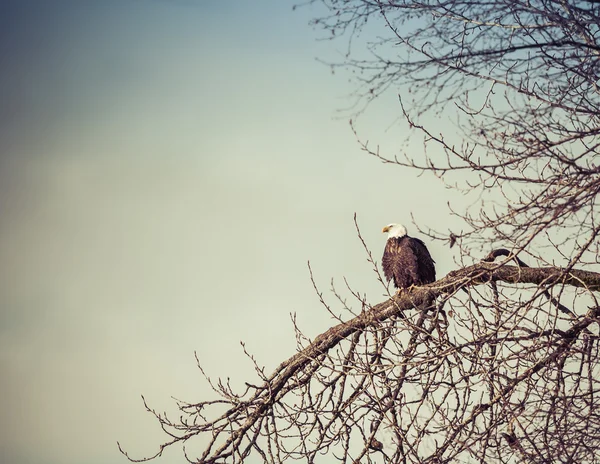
(406, 259)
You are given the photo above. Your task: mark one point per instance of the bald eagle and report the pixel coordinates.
(406, 259)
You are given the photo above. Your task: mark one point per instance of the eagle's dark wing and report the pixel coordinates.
(426, 264)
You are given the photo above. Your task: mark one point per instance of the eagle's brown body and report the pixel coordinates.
(407, 261)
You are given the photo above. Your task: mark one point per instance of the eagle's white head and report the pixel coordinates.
(395, 230)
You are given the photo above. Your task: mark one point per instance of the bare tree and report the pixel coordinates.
(498, 361)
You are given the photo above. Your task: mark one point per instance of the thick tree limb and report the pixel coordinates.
(238, 426)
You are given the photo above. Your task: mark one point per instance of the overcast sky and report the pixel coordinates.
(167, 170)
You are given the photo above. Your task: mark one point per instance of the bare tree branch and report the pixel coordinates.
(265, 417)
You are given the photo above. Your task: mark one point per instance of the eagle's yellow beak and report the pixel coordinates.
(385, 229)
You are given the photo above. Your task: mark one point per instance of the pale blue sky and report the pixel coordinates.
(167, 170)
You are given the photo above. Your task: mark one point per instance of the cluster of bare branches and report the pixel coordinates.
(473, 375)
(520, 81)
(497, 361)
